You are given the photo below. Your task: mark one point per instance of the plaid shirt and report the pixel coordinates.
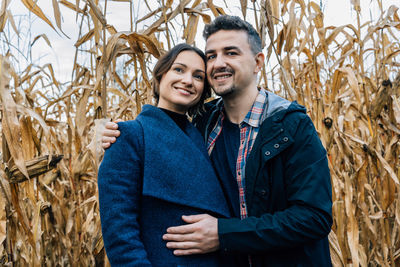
(248, 132)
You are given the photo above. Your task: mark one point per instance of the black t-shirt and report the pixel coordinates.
(180, 119)
(223, 157)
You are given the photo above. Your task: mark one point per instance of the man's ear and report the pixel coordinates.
(259, 58)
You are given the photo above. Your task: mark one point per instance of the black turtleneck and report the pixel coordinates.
(180, 119)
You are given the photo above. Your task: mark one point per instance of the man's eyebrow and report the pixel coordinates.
(184, 65)
(232, 47)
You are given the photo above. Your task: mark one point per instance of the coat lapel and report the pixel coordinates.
(176, 166)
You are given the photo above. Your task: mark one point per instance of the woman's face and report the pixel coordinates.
(182, 85)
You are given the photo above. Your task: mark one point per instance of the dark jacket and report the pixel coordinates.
(288, 192)
(149, 178)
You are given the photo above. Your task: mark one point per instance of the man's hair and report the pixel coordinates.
(228, 23)
(164, 64)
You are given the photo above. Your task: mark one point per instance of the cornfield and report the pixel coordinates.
(346, 76)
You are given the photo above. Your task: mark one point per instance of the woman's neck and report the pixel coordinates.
(180, 119)
(172, 108)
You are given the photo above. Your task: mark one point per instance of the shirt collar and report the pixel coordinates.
(254, 116)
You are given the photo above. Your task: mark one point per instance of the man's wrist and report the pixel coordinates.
(221, 230)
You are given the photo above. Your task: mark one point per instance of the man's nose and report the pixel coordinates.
(219, 62)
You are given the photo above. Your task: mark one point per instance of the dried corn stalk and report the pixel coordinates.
(346, 76)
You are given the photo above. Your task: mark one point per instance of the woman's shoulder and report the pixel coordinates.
(130, 125)
(131, 133)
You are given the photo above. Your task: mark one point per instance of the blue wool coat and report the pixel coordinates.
(149, 178)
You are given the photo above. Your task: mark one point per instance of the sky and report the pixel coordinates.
(62, 51)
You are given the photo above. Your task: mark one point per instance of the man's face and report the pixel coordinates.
(231, 65)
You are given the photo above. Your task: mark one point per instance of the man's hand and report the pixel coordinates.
(199, 236)
(110, 134)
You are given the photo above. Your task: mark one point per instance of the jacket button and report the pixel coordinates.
(285, 139)
(276, 145)
(267, 153)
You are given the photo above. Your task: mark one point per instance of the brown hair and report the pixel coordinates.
(164, 64)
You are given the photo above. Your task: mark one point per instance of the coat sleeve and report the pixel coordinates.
(308, 216)
(119, 183)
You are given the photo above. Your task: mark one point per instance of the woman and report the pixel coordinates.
(159, 170)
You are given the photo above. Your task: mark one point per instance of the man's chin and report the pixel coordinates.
(224, 92)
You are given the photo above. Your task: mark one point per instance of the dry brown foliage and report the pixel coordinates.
(346, 76)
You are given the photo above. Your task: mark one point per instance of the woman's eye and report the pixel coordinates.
(199, 77)
(177, 69)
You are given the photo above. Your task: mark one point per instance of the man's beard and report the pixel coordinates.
(226, 92)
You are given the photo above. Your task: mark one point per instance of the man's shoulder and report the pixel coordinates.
(295, 116)
(211, 105)
(284, 112)
(295, 111)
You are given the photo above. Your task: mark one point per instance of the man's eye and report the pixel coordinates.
(231, 53)
(210, 57)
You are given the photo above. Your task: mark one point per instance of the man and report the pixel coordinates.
(267, 154)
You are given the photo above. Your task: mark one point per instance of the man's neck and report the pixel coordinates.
(237, 106)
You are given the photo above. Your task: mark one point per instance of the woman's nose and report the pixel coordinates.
(187, 78)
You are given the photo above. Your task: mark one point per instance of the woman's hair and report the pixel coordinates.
(164, 65)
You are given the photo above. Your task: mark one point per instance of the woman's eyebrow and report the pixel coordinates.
(184, 65)
(199, 70)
